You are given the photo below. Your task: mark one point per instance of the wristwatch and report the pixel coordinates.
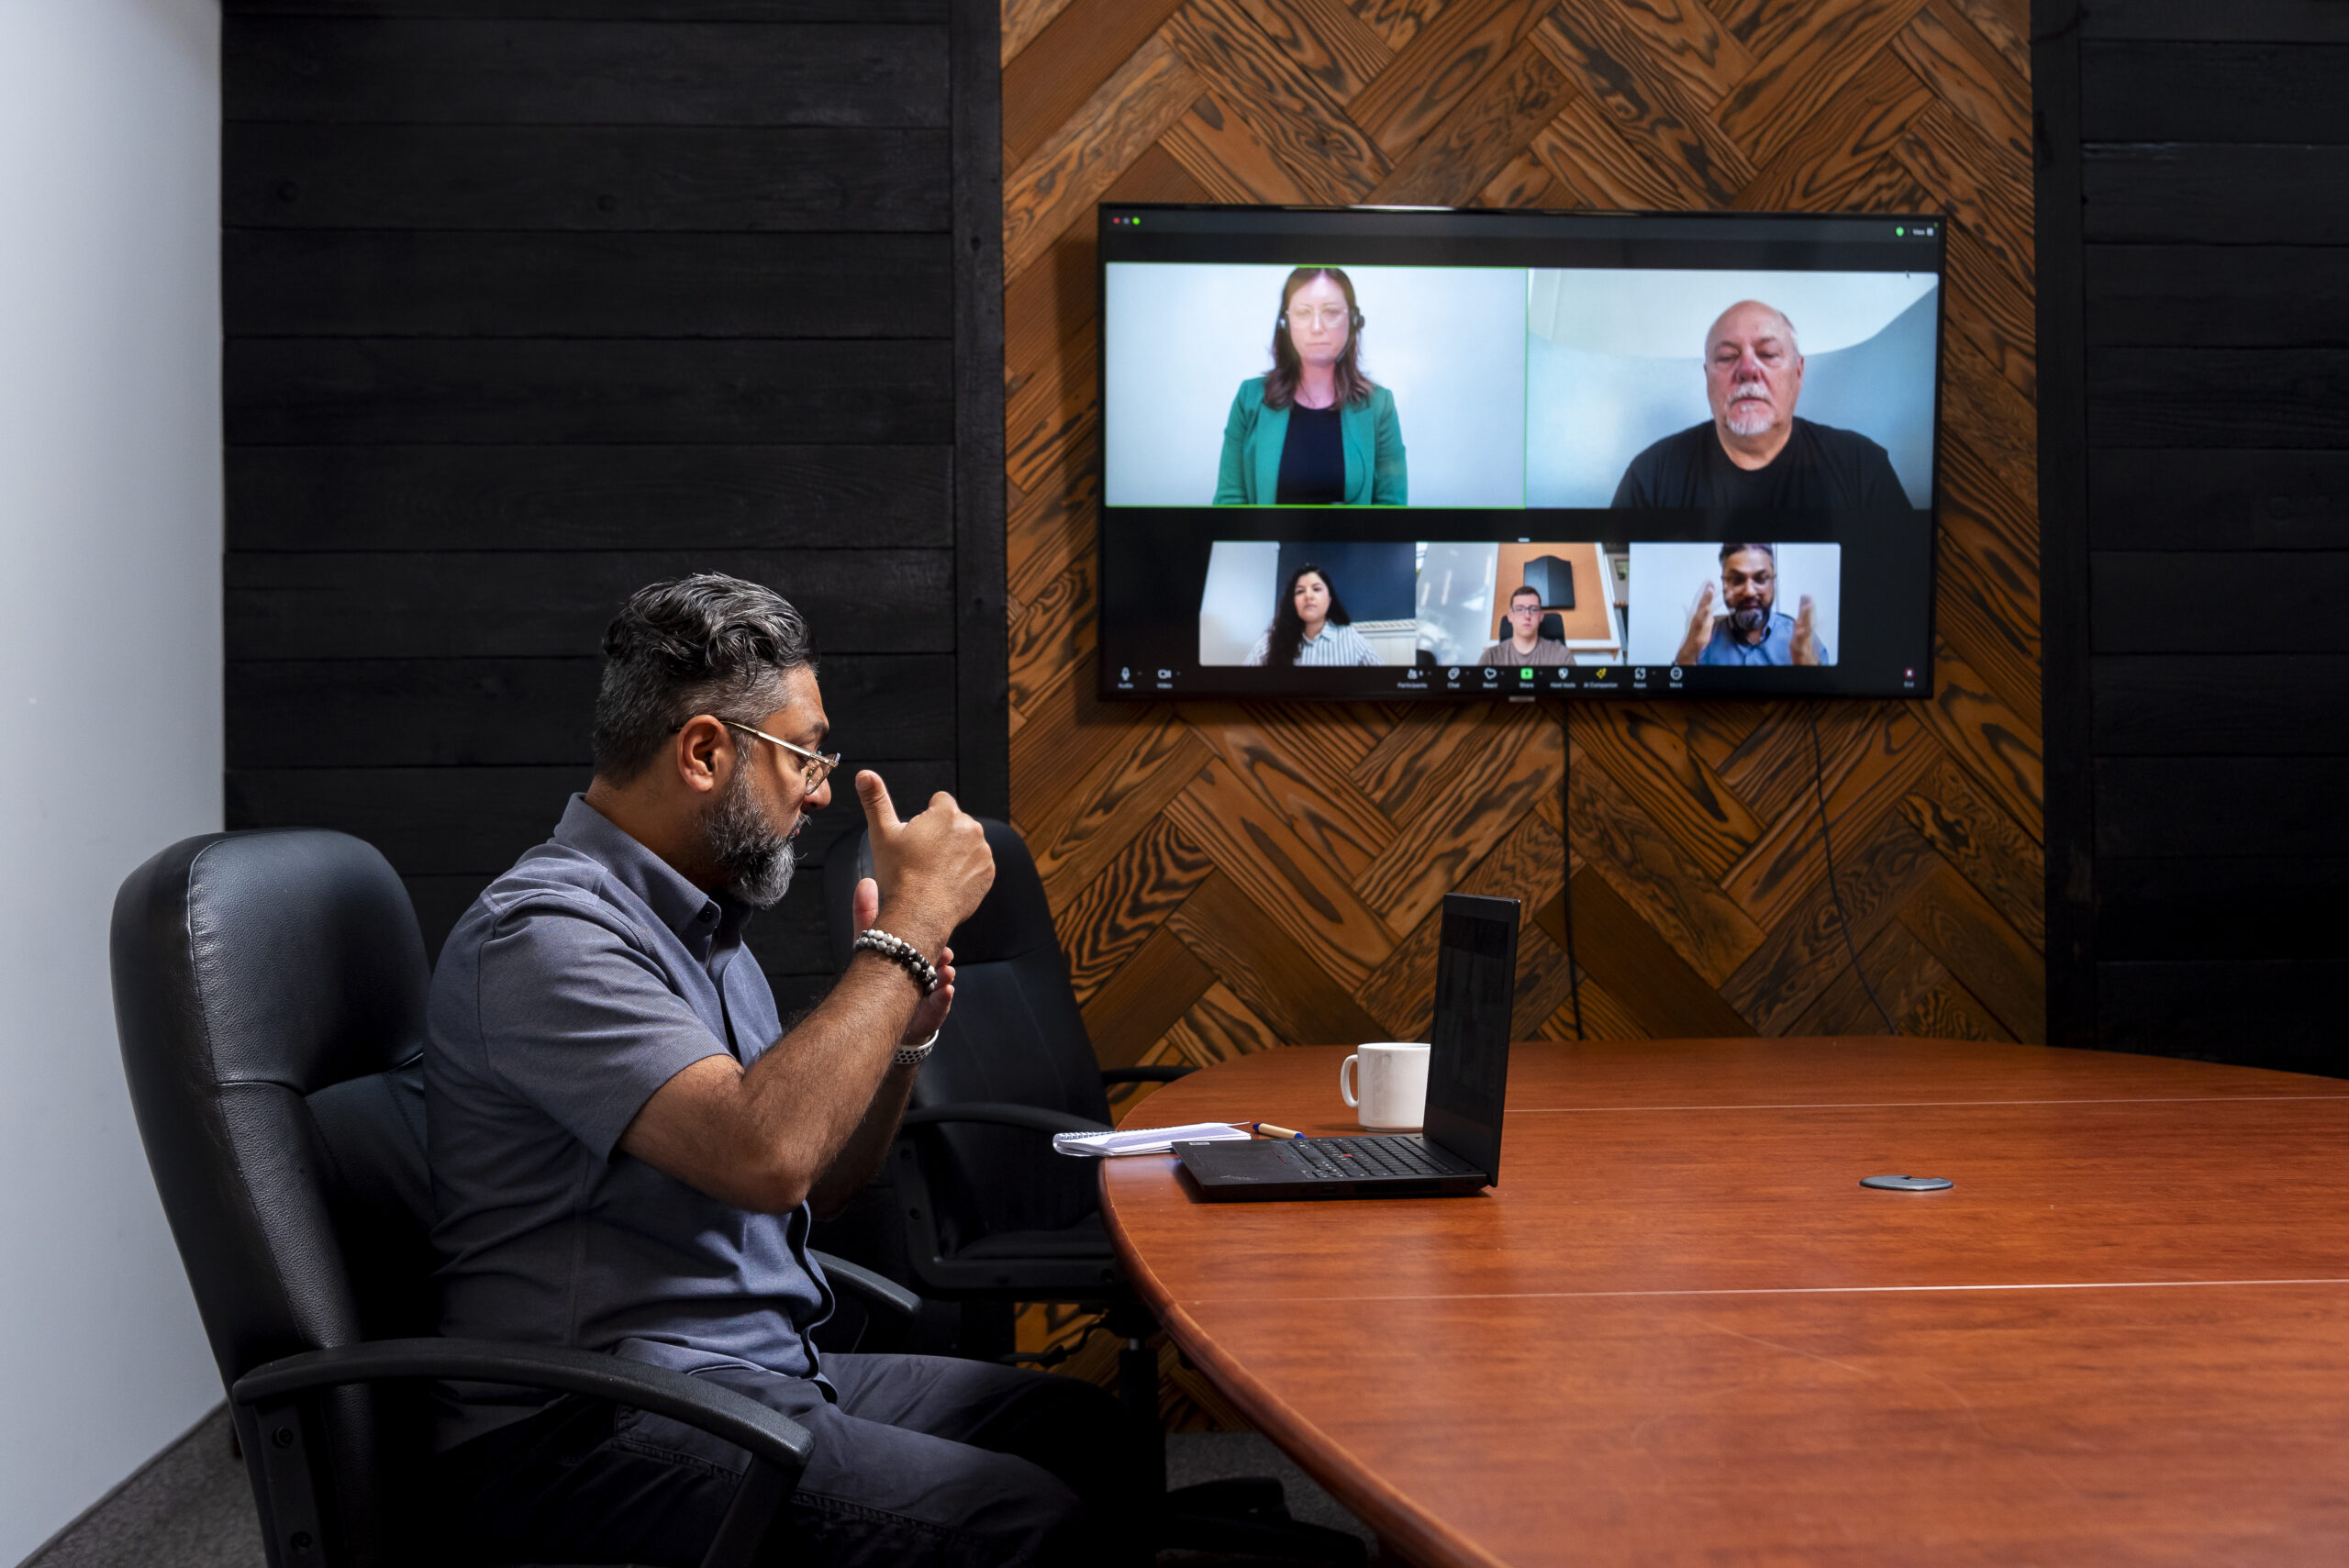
(912, 1056)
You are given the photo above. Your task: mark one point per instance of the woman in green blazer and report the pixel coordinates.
(1316, 431)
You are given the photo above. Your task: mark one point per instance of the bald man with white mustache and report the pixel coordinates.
(1755, 454)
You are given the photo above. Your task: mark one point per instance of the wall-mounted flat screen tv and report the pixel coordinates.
(1401, 454)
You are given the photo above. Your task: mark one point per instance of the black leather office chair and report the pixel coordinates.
(990, 1213)
(269, 993)
(1554, 627)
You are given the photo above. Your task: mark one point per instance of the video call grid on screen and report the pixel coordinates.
(1550, 403)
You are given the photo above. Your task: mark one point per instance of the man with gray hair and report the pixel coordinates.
(627, 1146)
(1755, 454)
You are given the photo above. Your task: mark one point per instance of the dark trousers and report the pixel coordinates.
(923, 1460)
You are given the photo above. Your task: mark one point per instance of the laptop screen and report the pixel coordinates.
(1475, 984)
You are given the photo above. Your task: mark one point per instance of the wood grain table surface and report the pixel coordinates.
(1680, 1332)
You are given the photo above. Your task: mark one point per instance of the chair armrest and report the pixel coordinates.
(878, 1290)
(721, 1412)
(1033, 1117)
(778, 1446)
(1167, 1074)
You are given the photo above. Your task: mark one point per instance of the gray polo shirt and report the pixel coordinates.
(581, 981)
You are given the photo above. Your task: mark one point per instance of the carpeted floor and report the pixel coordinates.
(191, 1508)
(1194, 1457)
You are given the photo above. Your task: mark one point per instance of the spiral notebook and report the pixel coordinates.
(1143, 1139)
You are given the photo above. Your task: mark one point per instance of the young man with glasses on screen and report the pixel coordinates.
(628, 1148)
(1525, 644)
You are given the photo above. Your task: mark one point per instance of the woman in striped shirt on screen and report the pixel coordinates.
(1310, 627)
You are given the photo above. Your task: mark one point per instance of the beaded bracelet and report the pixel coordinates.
(898, 951)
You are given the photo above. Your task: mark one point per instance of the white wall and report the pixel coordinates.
(1242, 576)
(111, 720)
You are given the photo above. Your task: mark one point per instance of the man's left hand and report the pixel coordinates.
(931, 1013)
(1805, 639)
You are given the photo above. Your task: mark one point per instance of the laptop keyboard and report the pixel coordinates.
(1343, 1158)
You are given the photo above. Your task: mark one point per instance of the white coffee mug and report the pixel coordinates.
(1394, 1078)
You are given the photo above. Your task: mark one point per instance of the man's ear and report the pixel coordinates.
(703, 753)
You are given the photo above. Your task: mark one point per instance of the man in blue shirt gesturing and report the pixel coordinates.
(627, 1146)
(1754, 630)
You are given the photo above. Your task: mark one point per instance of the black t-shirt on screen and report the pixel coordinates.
(1313, 459)
(1821, 467)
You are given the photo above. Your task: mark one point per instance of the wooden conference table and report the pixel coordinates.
(1681, 1332)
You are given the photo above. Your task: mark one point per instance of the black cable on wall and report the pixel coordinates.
(1834, 891)
(1566, 860)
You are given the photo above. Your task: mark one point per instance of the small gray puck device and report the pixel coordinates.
(1906, 1184)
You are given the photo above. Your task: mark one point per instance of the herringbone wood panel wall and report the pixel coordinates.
(1231, 877)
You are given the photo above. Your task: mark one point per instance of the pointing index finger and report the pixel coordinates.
(880, 812)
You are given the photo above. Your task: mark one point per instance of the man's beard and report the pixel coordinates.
(1749, 620)
(758, 860)
(1749, 416)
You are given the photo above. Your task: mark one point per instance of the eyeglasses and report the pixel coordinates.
(815, 767)
(1327, 316)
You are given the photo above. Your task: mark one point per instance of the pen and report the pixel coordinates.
(1269, 1130)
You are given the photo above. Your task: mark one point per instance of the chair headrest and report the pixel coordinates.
(293, 951)
(1554, 627)
(1013, 921)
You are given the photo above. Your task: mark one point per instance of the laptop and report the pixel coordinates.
(1459, 1150)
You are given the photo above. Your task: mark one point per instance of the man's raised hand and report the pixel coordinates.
(933, 868)
(1805, 641)
(1701, 627)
